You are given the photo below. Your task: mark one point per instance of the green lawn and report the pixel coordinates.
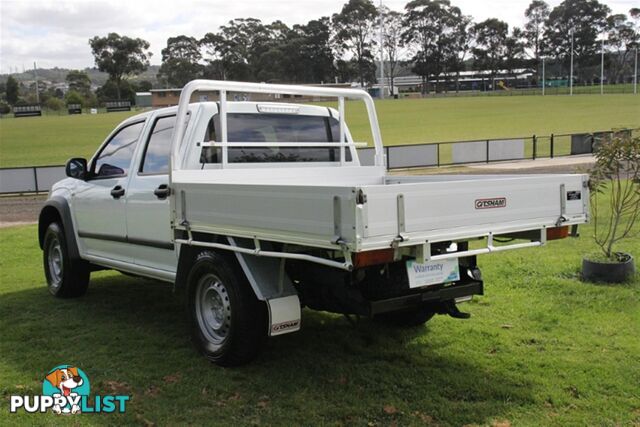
(54, 139)
(455, 119)
(541, 348)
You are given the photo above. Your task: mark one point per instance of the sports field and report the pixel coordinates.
(53, 139)
(542, 349)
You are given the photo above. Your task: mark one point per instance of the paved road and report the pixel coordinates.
(17, 210)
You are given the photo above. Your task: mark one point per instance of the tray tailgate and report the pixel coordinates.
(485, 203)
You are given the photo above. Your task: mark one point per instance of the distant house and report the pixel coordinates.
(144, 99)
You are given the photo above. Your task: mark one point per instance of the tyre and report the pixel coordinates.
(66, 278)
(228, 323)
(406, 318)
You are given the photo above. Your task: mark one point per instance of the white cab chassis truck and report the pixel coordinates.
(256, 209)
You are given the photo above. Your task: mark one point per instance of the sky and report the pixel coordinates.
(55, 33)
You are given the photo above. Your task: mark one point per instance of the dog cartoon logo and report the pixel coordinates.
(69, 383)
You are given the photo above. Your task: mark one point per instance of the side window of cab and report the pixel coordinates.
(155, 160)
(114, 159)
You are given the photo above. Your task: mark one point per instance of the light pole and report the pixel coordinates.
(602, 67)
(635, 74)
(571, 31)
(35, 77)
(543, 77)
(381, 51)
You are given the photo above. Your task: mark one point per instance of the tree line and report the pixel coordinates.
(432, 38)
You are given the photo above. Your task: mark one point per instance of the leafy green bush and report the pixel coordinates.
(73, 97)
(54, 104)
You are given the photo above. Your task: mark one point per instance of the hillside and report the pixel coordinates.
(58, 75)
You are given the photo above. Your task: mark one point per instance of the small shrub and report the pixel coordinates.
(617, 167)
(73, 97)
(54, 104)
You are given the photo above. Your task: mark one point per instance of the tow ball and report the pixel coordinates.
(452, 310)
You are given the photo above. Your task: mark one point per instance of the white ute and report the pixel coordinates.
(256, 209)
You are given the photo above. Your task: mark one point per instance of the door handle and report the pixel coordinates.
(162, 191)
(117, 192)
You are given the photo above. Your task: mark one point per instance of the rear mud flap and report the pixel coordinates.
(284, 315)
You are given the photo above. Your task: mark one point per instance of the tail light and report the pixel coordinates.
(555, 233)
(365, 259)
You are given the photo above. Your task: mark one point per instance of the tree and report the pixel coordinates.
(216, 66)
(430, 31)
(490, 48)
(79, 81)
(273, 52)
(73, 97)
(236, 47)
(110, 91)
(587, 18)
(536, 15)
(353, 28)
(180, 60)
(392, 43)
(622, 39)
(120, 56)
(12, 90)
(143, 86)
(54, 104)
(460, 45)
(514, 50)
(316, 51)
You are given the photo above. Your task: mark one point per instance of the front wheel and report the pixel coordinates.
(66, 277)
(228, 323)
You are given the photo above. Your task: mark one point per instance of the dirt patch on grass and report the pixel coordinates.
(20, 210)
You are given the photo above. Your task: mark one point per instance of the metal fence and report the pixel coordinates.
(30, 179)
(34, 179)
(489, 150)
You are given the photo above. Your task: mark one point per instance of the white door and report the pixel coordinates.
(99, 203)
(148, 215)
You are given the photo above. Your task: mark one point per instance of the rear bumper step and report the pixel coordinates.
(449, 293)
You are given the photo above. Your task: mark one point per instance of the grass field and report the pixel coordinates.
(542, 348)
(54, 139)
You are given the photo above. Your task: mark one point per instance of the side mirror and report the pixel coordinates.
(76, 168)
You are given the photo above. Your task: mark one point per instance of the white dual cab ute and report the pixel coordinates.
(257, 209)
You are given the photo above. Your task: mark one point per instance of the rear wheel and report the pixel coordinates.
(406, 318)
(66, 278)
(228, 323)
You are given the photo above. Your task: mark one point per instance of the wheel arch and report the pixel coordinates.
(266, 280)
(57, 209)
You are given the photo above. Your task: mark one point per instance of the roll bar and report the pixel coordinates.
(229, 86)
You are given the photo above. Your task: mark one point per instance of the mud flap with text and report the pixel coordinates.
(284, 315)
